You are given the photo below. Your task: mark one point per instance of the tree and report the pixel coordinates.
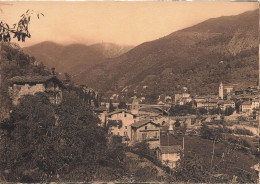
(203, 111)
(229, 111)
(237, 105)
(191, 169)
(143, 150)
(20, 30)
(55, 143)
(111, 107)
(205, 132)
(67, 77)
(180, 110)
(122, 105)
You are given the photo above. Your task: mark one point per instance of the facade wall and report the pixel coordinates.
(127, 120)
(228, 89)
(246, 108)
(255, 104)
(53, 91)
(225, 105)
(170, 159)
(207, 105)
(18, 91)
(147, 132)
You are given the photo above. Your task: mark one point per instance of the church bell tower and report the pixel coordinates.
(221, 91)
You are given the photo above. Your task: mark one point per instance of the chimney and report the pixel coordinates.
(53, 71)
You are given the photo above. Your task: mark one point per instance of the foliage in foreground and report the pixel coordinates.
(43, 142)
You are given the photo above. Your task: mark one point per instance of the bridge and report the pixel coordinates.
(160, 107)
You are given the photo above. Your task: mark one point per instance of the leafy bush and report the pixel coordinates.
(137, 173)
(181, 110)
(142, 149)
(122, 105)
(115, 123)
(44, 142)
(208, 133)
(243, 131)
(203, 111)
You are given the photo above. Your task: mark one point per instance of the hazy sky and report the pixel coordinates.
(128, 23)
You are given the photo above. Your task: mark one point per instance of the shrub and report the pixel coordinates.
(243, 131)
(42, 147)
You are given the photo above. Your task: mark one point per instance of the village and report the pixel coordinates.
(129, 92)
(157, 123)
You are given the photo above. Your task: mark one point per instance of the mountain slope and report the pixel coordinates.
(198, 57)
(74, 58)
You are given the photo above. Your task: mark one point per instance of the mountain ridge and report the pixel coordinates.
(233, 39)
(75, 57)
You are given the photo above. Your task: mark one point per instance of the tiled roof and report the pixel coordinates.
(229, 102)
(246, 103)
(170, 149)
(142, 123)
(28, 79)
(120, 111)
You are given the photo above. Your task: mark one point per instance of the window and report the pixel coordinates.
(145, 127)
(118, 133)
(125, 115)
(144, 136)
(125, 127)
(156, 135)
(125, 133)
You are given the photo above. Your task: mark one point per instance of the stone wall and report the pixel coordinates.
(18, 91)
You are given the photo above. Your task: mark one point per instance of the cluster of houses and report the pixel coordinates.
(129, 125)
(247, 100)
(134, 128)
(136, 123)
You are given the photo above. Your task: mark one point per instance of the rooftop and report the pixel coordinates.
(246, 103)
(142, 123)
(33, 79)
(120, 111)
(229, 102)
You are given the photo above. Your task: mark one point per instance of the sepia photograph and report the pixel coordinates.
(129, 92)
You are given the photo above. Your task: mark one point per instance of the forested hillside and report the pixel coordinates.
(199, 57)
(74, 58)
(43, 142)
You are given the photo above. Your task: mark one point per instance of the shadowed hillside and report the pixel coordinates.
(74, 58)
(199, 57)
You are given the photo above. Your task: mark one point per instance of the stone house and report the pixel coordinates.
(246, 107)
(169, 155)
(206, 102)
(127, 119)
(182, 99)
(146, 130)
(30, 85)
(223, 104)
(255, 104)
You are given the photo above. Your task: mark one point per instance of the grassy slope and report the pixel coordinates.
(195, 145)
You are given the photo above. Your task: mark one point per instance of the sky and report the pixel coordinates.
(124, 23)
